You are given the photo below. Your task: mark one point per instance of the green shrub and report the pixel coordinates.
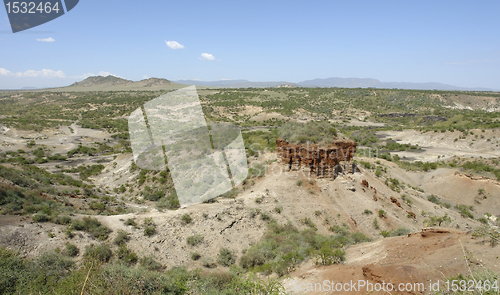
(153, 195)
(254, 212)
(401, 231)
(13, 269)
(195, 240)
(186, 218)
(225, 257)
(149, 230)
(149, 263)
(464, 210)
(367, 212)
(434, 199)
(435, 220)
(131, 222)
(264, 216)
(284, 246)
(257, 170)
(195, 255)
(208, 262)
(489, 233)
(92, 226)
(121, 238)
(307, 221)
(131, 258)
(97, 206)
(313, 132)
(62, 219)
(126, 255)
(382, 213)
(299, 182)
(277, 210)
(170, 202)
(71, 250)
(329, 256)
(40, 217)
(100, 252)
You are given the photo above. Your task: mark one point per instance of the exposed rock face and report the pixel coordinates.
(325, 160)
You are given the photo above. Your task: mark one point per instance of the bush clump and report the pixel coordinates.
(195, 255)
(284, 246)
(149, 230)
(186, 218)
(100, 252)
(131, 222)
(225, 257)
(313, 132)
(149, 263)
(434, 199)
(395, 233)
(121, 238)
(40, 217)
(71, 250)
(92, 226)
(194, 240)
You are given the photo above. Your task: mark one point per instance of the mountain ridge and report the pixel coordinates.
(333, 82)
(101, 83)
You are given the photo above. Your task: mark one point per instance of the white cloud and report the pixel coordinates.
(104, 74)
(45, 73)
(4, 72)
(207, 56)
(50, 39)
(174, 45)
(145, 77)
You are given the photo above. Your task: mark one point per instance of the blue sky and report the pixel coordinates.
(453, 42)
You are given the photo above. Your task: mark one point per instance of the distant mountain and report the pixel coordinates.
(330, 82)
(100, 81)
(374, 83)
(233, 83)
(340, 82)
(112, 83)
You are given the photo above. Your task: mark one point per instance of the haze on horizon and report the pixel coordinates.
(450, 42)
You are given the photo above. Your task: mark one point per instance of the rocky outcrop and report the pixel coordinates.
(327, 160)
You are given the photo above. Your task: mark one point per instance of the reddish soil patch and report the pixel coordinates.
(417, 260)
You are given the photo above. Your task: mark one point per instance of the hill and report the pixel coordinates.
(112, 83)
